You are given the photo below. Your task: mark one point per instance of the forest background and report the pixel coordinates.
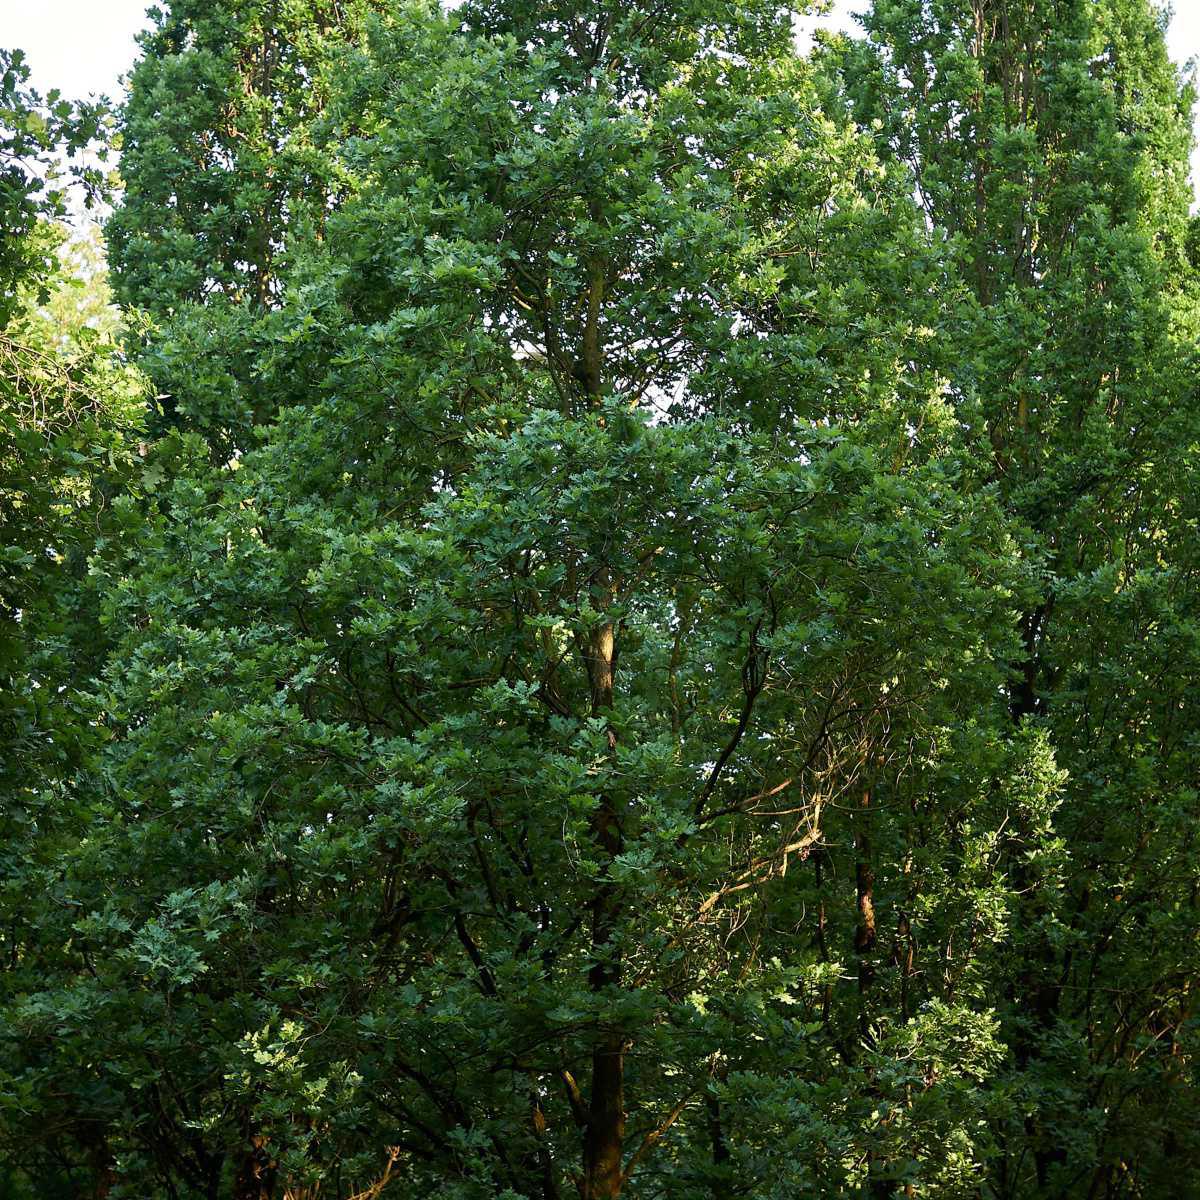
(597, 600)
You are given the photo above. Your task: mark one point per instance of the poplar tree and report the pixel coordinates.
(1051, 141)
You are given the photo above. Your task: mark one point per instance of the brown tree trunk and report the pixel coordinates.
(866, 938)
(604, 1139)
(604, 1135)
(255, 1178)
(865, 935)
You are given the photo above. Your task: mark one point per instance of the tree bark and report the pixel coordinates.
(865, 934)
(255, 1178)
(604, 1134)
(866, 939)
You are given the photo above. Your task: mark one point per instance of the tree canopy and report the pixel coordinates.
(613, 614)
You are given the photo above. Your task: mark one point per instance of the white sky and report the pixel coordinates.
(83, 46)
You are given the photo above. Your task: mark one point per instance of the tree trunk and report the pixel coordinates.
(866, 938)
(865, 935)
(255, 1179)
(604, 1136)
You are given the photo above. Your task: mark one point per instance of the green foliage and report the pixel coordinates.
(1066, 191)
(214, 148)
(221, 159)
(69, 409)
(648, 649)
(37, 136)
